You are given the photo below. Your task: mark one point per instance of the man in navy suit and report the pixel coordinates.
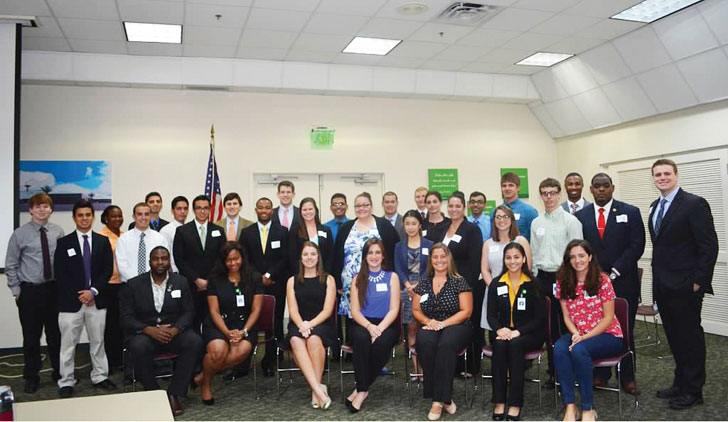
(684, 251)
(617, 234)
(286, 215)
(83, 264)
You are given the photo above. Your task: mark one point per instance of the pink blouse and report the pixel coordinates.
(586, 311)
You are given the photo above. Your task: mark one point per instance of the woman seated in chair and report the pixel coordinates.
(375, 300)
(587, 303)
(310, 296)
(235, 299)
(517, 315)
(442, 303)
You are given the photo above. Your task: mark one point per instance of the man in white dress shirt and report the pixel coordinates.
(574, 185)
(180, 209)
(420, 196)
(134, 246)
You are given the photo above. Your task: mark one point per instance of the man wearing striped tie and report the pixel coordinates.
(134, 246)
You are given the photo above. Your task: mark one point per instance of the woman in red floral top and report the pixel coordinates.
(587, 302)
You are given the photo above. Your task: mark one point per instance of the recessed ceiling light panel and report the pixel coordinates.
(375, 46)
(153, 32)
(544, 59)
(651, 10)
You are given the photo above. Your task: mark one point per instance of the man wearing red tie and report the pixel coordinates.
(286, 214)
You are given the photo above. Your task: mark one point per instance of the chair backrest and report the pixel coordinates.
(621, 312)
(640, 272)
(266, 320)
(549, 340)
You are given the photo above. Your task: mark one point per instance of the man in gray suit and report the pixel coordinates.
(233, 223)
(390, 202)
(574, 184)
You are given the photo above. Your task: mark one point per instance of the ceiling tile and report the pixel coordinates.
(434, 82)
(480, 67)
(239, 3)
(257, 73)
(393, 80)
(706, 74)
(24, 7)
(629, 99)
(351, 7)
(548, 85)
(605, 64)
(46, 44)
(434, 8)
(324, 23)
(517, 19)
(543, 115)
(441, 33)
(87, 29)
(574, 76)
(350, 78)
(200, 50)
(568, 116)
(405, 62)
(277, 20)
(473, 84)
(154, 49)
(667, 88)
(389, 28)
(449, 65)
(609, 29)
(488, 37)
(99, 47)
(547, 5)
(260, 38)
(642, 50)
(310, 56)
(300, 5)
(574, 45)
(461, 53)
(151, 11)
(322, 43)
(563, 24)
(205, 15)
(510, 86)
(84, 9)
(597, 109)
(531, 41)
(47, 27)
(601, 8)
(505, 56)
(358, 59)
(417, 49)
(207, 35)
(261, 53)
(685, 34)
(520, 70)
(716, 14)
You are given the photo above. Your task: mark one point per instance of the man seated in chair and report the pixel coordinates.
(157, 311)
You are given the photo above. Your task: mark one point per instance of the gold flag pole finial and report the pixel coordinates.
(212, 135)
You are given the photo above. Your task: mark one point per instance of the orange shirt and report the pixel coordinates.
(113, 238)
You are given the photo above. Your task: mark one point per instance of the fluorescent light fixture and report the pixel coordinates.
(652, 10)
(153, 32)
(544, 59)
(375, 46)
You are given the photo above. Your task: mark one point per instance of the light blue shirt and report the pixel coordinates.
(483, 223)
(334, 225)
(668, 198)
(524, 215)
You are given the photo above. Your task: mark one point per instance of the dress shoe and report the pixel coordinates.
(513, 418)
(65, 392)
(208, 402)
(630, 388)
(435, 416)
(175, 405)
(686, 401)
(499, 416)
(105, 385)
(193, 384)
(599, 382)
(31, 385)
(450, 408)
(669, 393)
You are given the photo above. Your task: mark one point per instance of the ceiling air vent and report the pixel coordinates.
(470, 14)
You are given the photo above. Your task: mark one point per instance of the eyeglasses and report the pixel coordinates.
(503, 217)
(362, 205)
(202, 208)
(549, 194)
(338, 204)
(477, 202)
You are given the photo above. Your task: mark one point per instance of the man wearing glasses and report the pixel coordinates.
(477, 217)
(338, 208)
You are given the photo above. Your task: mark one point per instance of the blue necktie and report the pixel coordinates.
(87, 260)
(660, 215)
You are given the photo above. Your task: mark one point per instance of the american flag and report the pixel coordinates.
(212, 184)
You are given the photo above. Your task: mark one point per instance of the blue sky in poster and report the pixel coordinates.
(66, 177)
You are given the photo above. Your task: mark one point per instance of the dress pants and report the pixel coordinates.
(71, 324)
(478, 333)
(113, 334)
(201, 310)
(438, 353)
(680, 313)
(546, 281)
(269, 359)
(38, 308)
(187, 344)
(369, 358)
(508, 359)
(626, 372)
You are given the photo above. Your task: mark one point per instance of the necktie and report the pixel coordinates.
(285, 217)
(601, 224)
(154, 224)
(231, 235)
(142, 255)
(422, 213)
(47, 272)
(202, 236)
(87, 260)
(263, 237)
(574, 208)
(660, 215)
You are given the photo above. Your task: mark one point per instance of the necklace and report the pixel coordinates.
(377, 278)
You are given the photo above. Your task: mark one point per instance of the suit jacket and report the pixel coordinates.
(400, 260)
(531, 319)
(685, 249)
(565, 205)
(70, 276)
(191, 260)
(136, 304)
(274, 260)
(242, 223)
(622, 246)
(466, 253)
(162, 223)
(399, 226)
(296, 216)
(325, 244)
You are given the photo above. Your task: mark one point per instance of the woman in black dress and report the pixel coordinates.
(311, 295)
(435, 224)
(235, 298)
(310, 229)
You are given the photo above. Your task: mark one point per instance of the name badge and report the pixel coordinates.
(425, 251)
(540, 231)
(216, 233)
(323, 234)
(517, 215)
(424, 232)
(424, 297)
(588, 296)
(381, 287)
(71, 252)
(275, 244)
(554, 289)
(457, 238)
(240, 300)
(622, 218)
(176, 294)
(493, 248)
(521, 304)
(502, 290)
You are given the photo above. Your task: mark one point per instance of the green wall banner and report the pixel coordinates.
(523, 175)
(322, 138)
(444, 181)
(489, 207)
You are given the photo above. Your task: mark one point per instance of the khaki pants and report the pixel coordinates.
(71, 324)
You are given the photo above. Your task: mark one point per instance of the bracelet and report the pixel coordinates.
(245, 333)
(440, 325)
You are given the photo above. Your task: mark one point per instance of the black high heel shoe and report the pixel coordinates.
(499, 416)
(193, 384)
(208, 402)
(513, 418)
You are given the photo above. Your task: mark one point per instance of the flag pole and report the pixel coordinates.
(214, 169)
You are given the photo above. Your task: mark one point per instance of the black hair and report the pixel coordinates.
(150, 194)
(178, 199)
(83, 204)
(106, 211)
(200, 198)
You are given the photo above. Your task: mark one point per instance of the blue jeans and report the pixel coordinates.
(576, 365)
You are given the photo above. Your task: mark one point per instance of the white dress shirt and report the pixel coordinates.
(80, 239)
(607, 207)
(168, 233)
(260, 228)
(579, 205)
(668, 198)
(158, 292)
(127, 250)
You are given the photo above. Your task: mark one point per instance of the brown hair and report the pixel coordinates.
(138, 205)
(40, 199)
(512, 178)
(513, 232)
(286, 183)
(302, 231)
(362, 278)
(452, 271)
(664, 162)
(365, 195)
(566, 274)
(319, 266)
(549, 183)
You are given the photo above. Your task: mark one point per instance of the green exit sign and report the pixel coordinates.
(322, 138)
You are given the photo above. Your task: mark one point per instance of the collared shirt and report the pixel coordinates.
(524, 215)
(154, 224)
(484, 224)
(80, 235)
(334, 225)
(113, 239)
(392, 219)
(607, 207)
(168, 233)
(551, 232)
(506, 278)
(579, 205)
(669, 198)
(127, 251)
(24, 259)
(290, 214)
(158, 292)
(260, 228)
(235, 220)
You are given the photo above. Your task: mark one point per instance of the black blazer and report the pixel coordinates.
(296, 217)
(136, 304)
(685, 249)
(70, 277)
(295, 244)
(191, 260)
(532, 319)
(622, 246)
(436, 232)
(466, 253)
(162, 223)
(387, 233)
(274, 260)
